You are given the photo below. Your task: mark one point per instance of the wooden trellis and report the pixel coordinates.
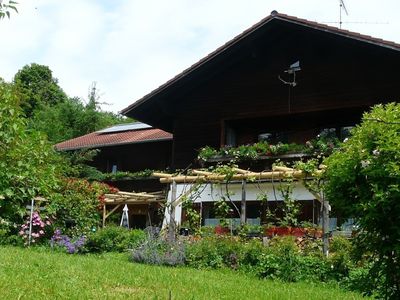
(241, 175)
(198, 176)
(122, 198)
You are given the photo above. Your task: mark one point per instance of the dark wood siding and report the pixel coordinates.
(135, 157)
(340, 78)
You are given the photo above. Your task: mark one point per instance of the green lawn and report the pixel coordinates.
(39, 274)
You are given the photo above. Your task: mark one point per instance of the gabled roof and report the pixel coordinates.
(122, 134)
(273, 16)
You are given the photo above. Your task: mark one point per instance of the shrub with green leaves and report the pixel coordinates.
(29, 166)
(362, 181)
(76, 206)
(114, 239)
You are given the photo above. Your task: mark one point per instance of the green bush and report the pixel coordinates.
(282, 259)
(213, 252)
(340, 259)
(362, 182)
(114, 239)
(77, 206)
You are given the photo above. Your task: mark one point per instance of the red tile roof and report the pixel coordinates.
(274, 15)
(98, 139)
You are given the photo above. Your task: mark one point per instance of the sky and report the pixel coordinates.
(130, 47)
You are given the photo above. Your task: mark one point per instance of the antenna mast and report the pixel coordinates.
(342, 7)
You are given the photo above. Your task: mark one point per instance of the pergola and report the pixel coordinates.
(196, 177)
(130, 198)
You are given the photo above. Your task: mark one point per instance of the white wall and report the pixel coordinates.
(213, 192)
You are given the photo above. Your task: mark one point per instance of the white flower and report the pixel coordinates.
(365, 163)
(376, 152)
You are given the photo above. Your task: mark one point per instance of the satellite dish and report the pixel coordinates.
(293, 68)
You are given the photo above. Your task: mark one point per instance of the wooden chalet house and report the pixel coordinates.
(129, 147)
(285, 78)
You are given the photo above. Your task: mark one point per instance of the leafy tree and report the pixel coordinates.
(29, 166)
(5, 8)
(72, 118)
(93, 118)
(38, 87)
(363, 181)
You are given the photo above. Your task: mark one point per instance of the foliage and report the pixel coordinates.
(5, 8)
(29, 166)
(282, 259)
(249, 152)
(156, 250)
(222, 209)
(38, 87)
(113, 238)
(290, 208)
(363, 182)
(52, 112)
(213, 252)
(76, 207)
(71, 118)
(193, 220)
(323, 145)
(122, 175)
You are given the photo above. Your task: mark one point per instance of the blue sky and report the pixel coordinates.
(131, 47)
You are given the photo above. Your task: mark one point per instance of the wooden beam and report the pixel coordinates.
(104, 214)
(243, 204)
(282, 169)
(199, 172)
(218, 177)
(111, 211)
(241, 171)
(179, 200)
(162, 175)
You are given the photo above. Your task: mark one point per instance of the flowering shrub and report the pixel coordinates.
(65, 242)
(77, 206)
(38, 228)
(158, 251)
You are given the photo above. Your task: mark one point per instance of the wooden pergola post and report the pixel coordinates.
(243, 204)
(104, 214)
(172, 225)
(325, 226)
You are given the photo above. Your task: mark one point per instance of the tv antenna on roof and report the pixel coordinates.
(342, 7)
(293, 68)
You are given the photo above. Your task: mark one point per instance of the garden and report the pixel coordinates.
(57, 248)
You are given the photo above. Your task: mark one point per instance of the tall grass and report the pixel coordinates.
(41, 274)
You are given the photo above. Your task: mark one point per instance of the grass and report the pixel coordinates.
(41, 274)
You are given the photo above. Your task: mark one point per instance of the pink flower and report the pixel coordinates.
(21, 232)
(41, 232)
(48, 222)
